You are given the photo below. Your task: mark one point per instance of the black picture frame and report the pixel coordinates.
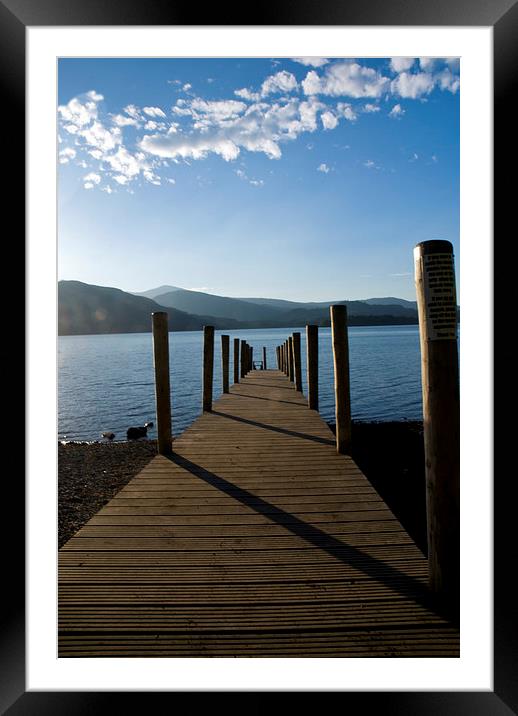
(15, 17)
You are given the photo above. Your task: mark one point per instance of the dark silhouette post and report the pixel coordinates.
(208, 366)
(236, 360)
(342, 390)
(243, 358)
(264, 357)
(437, 309)
(162, 385)
(312, 365)
(291, 367)
(297, 363)
(225, 356)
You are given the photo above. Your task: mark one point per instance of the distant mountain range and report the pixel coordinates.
(87, 309)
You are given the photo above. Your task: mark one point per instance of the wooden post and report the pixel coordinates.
(312, 365)
(236, 360)
(283, 364)
(225, 355)
(286, 358)
(251, 360)
(162, 384)
(437, 310)
(243, 358)
(291, 367)
(264, 357)
(342, 390)
(297, 363)
(208, 366)
(277, 354)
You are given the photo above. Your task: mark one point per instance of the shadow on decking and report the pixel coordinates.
(283, 431)
(273, 400)
(377, 569)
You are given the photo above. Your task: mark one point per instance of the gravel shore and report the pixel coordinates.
(90, 474)
(390, 454)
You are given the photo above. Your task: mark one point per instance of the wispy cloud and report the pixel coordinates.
(401, 64)
(397, 111)
(135, 144)
(311, 61)
(323, 168)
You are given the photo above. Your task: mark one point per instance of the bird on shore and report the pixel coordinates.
(139, 432)
(108, 435)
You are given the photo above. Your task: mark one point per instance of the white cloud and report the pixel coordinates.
(254, 182)
(95, 96)
(93, 178)
(66, 155)
(154, 112)
(323, 168)
(400, 64)
(107, 189)
(329, 120)
(346, 110)
(446, 80)
(224, 129)
(88, 185)
(396, 111)
(281, 82)
(121, 179)
(245, 93)
(413, 86)
(348, 79)
(187, 87)
(121, 121)
(79, 114)
(427, 64)
(311, 61)
(133, 111)
(370, 108)
(370, 164)
(101, 138)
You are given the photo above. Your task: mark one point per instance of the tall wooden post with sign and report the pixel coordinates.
(437, 307)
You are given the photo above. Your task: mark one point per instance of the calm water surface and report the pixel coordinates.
(106, 382)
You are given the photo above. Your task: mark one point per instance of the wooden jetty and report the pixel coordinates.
(253, 538)
(255, 534)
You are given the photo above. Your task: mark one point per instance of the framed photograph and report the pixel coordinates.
(472, 43)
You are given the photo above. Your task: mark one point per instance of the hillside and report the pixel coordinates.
(84, 309)
(87, 309)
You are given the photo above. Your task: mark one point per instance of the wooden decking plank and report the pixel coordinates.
(254, 539)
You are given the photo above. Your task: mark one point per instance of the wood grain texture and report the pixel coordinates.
(254, 539)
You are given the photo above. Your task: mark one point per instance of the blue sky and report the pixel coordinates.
(304, 178)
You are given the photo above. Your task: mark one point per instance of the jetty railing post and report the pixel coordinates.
(264, 357)
(341, 369)
(251, 360)
(290, 359)
(278, 358)
(437, 310)
(287, 358)
(208, 366)
(297, 363)
(225, 356)
(312, 365)
(160, 323)
(243, 358)
(236, 360)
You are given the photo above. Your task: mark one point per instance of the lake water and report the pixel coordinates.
(106, 382)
